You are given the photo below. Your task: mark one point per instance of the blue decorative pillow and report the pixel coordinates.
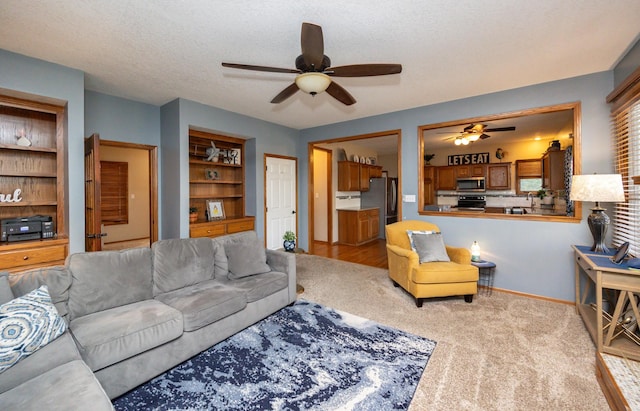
(27, 324)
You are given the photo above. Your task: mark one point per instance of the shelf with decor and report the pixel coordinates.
(217, 174)
(32, 181)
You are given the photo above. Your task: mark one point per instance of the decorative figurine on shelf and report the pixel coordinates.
(193, 214)
(213, 152)
(22, 138)
(428, 158)
(289, 238)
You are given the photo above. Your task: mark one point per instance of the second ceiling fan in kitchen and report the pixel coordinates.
(475, 132)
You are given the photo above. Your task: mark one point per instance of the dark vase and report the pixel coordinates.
(289, 245)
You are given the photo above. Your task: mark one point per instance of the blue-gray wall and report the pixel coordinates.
(532, 257)
(628, 64)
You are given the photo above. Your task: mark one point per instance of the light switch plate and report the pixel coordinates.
(409, 198)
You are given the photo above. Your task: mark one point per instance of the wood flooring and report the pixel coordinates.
(373, 254)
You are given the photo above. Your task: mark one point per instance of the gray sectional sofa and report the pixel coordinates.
(133, 314)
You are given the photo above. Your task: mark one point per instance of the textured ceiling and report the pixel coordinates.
(156, 51)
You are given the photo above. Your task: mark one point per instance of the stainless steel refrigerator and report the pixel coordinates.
(383, 193)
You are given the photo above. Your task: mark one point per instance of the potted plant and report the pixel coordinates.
(289, 238)
(427, 159)
(544, 196)
(193, 214)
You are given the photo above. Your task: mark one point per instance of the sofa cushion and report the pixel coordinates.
(27, 324)
(444, 272)
(6, 294)
(246, 258)
(231, 240)
(59, 351)
(71, 386)
(204, 303)
(107, 279)
(57, 280)
(430, 247)
(259, 286)
(182, 262)
(113, 335)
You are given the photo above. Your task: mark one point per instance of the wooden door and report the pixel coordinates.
(92, 217)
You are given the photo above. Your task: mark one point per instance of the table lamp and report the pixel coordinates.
(597, 188)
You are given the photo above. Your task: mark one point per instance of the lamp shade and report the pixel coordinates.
(313, 82)
(597, 188)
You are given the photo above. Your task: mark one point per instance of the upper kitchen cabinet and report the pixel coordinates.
(354, 176)
(499, 176)
(553, 170)
(446, 178)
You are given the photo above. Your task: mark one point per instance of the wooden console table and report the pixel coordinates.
(599, 271)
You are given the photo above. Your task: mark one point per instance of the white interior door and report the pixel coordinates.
(280, 197)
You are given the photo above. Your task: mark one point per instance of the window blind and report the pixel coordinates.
(626, 130)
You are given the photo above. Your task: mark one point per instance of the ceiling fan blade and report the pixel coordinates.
(340, 94)
(260, 68)
(285, 94)
(500, 129)
(364, 70)
(483, 136)
(312, 45)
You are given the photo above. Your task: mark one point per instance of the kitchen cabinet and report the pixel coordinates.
(429, 188)
(354, 176)
(364, 177)
(553, 170)
(32, 179)
(348, 176)
(474, 170)
(446, 178)
(498, 176)
(358, 226)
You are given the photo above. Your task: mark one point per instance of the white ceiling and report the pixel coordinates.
(156, 51)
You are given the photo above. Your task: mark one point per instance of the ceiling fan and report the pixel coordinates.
(475, 132)
(313, 69)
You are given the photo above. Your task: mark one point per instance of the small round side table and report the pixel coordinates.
(486, 269)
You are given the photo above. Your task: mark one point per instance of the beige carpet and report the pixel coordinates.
(501, 352)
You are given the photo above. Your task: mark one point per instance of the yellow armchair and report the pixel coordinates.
(432, 279)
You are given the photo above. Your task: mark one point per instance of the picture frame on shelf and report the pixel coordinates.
(211, 174)
(215, 210)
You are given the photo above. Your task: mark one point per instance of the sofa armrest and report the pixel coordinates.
(401, 262)
(459, 255)
(285, 263)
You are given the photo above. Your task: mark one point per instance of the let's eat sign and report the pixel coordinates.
(466, 159)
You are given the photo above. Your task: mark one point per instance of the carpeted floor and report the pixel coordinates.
(303, 357)
(501, 352)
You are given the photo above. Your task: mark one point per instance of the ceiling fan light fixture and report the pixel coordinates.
(313, 82)
(474, 137)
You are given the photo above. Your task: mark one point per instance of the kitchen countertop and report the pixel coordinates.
(357, 208)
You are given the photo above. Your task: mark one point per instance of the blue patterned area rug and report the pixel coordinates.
(303, 357)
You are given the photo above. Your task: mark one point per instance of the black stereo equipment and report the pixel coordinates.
(27, 228)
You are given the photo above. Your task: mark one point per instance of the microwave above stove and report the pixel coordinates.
(470, 184)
